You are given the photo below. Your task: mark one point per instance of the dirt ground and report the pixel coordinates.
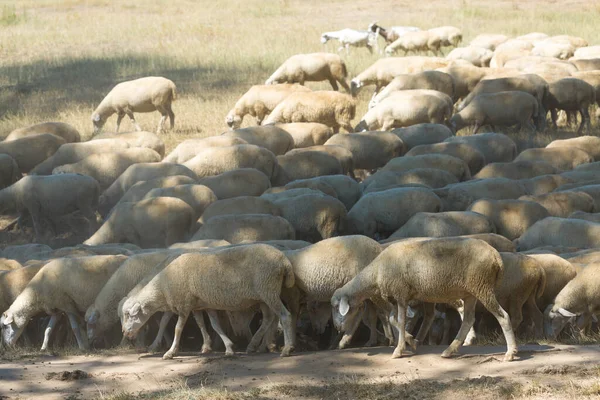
(541, 371)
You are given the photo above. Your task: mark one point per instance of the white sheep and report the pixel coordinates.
(432, 80)
(239, 182)
(306, 134)
(312, 67)
(245, 227)
(346, 189)
(149, 140)
(473, 157)
(516, 169)
(420, 41)
(555, 231)
(60, 129)
(370, 150)
(563, 158)
(449, 35)
(270, 137)
(30, 151)
(564, 204)
(321, 165)
(445, 224)
(588, 52)
(199, 197)
(189, 148)
(496, 147)
(428, 177)
(240, 205)
(393, 33)
(454, 165)
(478, 56)
(351, 37)
(152, 93)
(425, 133)
(488, 40)
(431, 270)
(589, 144)
(231, 279)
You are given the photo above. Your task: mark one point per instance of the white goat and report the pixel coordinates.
(352, 37)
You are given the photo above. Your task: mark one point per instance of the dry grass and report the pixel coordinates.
(58, 59)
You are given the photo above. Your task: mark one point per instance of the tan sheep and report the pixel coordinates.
(148, 94)
(199, 197)
(589, 144)
(560, 232)
(245, 227)
(426, 133)
(586, 53)
(137, 139)
(432, 80)
(563, 204)
(456, 166)
(9, 171)
(429, 177)
(270, 137)
(239, 182)
(240, 205)
(13, 282)
(320, 186)
(473, 157)
(305, 163)
(517, 170)
(488, 40)
(312, 67)
(60, 129)
(370, 150)
(496, 147)
(306, 134)
(345, 188)
(564, 158)
(478, 56)
(443, 224)
(30, 151)
(259, 101)
(342, 154)
(189, 148)
(449, 35)
(589, 66)
(333, 109)
(465, 78)
(459, 196)
(571, 94)
(419, 41)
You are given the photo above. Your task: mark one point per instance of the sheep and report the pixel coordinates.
(278, 195)
(239, 182)
(551, 71)
(250, 227)
(560, 232)
(564, 204)
(270, 137)
(488, 40)
(449, 35)
(429, 177)
(511, 217)
(514, 44)
(419, 41)
(148, 94)
(465, 78)
(60, 129)
(442, 224)
(426, 133)
(500, 108)
(561, 51)
(67, 285)
(532, 36)
(312, 67)
(9, 171)
(49, 197)
(393, 33)
(13, 282)
(558, 273)
(520, 60)
(578, 297)
(544, 184)
(323, 267)
(564, 158)
(200, 244)
(589, 144)
(259, 101)
(478, 56)
(496, 147)
(595, 217)
(473, 157)
(342, 154)
(136, 139)
(107, 167)
(137, 173)
(204, 288)
(574, 41)
(199, 197)
(305, 164)
(370, 150)
(432, 80)
(71, 153)
(386, 211)
(593, 78)
(351, 37)
(240, 205)
(588, 66)
(381, 72)
(585, 53)
(333, 109)
(151, 223)
(431, 270)
(406, 108)
(516, 170)
(571, 94)
(30, 151)
(454, 165)
(320, 186)
(7, 264)
(25, 252)
(459, 196)
(189, 148)
(346, 189)
(306, 134)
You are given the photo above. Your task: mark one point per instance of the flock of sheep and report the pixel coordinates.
(395, 222)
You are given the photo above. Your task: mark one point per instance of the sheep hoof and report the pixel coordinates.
(229, 353)
(286, 351)
(168, 355)
(397, 353)
(509, 357)
(206, 349)
(153, 349)
(371, 343)
(447, 353)
(250, 349)
(272, 348)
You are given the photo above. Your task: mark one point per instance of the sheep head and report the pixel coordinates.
(233, 120)
(345, 309)
(324, 38)
(355, 85)
(135, 315)
(98, 122)
(11, 329)
(555, 320)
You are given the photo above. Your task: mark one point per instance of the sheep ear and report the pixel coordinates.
(410, 313)
(93, 317)
(96, 117)
(566, 313)
(7, 319)
(135, 309)
(344, 306)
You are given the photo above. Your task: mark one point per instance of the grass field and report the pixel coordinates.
(59, 58)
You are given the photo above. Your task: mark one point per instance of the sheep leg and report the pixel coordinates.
(400, 324)
(585, 120)
(177, 337)
(491, 304)
(268, 318)
(467, 324)
(370, 319)
(476, 127)
(162, 325)
(428, 316)
(161, 124)
(554, 116)
(214, 322)
(35, 218)
(53, 319)
(333, 84)
(206, 340)
(171, 116)
(344, 85)
(119, 119)
(535, 315)
(130, 115)
(351, 324)
(285, 317)
(77, 331)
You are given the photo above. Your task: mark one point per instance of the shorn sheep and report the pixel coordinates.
(420, 41)
(390, 35)
(352, 38)
(152, 93)
(60, 129)
(429, 270)
(313, 67)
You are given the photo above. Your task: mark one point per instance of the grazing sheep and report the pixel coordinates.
(137, 139)
(259, 101)
(466, 78)
(459, 196)
(532, 36)
(386, 211)
(588, 67)
(320, 186)
(564, 204)
(200, 244)
(431, 80)
(511, 217)
(152, 223)
(595, 217)
(589, 144)
(313, 67)
(306, 134)
(346, 189)
(245, 227)
(9, 171)
(501, 108)
(13, 282)
(560, 232)
(517, 170)
(7, 265)
(564, 158)
(351, 37)
(496, 147)
(306, 163)
(107, 167)
(49, 197)
(456, 166)
(270, 137)
(419, 41)
(67, 285)
(585, 53)
(429, 177)
(152, 93)
(434, 270)
(544, 184)
(342, 154)
(570, 94)
(443, 224)
(199, 197)
(240, 205)
(488, 40)
(478, 56)
(60, 129)
(370, 150)
(562, 51)
(239, 182)
(393, 33)
(450, 36)
(405, 108)
(333, 109)
(426, 133)
(578, 297)
(189, 148)
(498, 242)
(259, 272)
(558, 273)
(30, 151)
(473, 157)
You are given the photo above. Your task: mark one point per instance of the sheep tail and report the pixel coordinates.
(173, 92)
(541, 284)
(499, 264)
(288, 275)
